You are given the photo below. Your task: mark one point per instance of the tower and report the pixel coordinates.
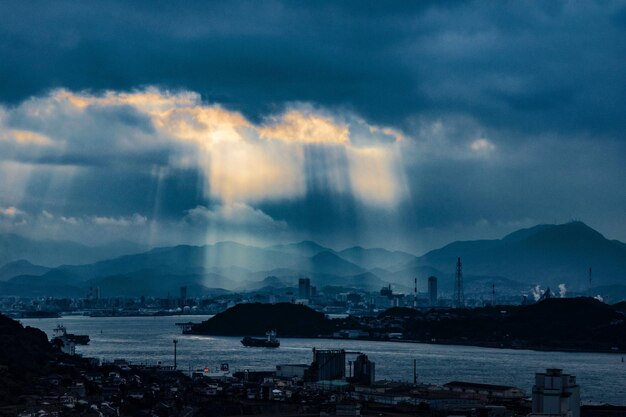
(415, 295)
(459, 299)
(432, 291)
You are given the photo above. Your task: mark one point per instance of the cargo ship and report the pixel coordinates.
(270, 341)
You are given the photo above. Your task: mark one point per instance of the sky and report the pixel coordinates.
(394, 124)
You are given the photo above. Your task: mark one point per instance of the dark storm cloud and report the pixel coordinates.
(522, 66)
(512, 111)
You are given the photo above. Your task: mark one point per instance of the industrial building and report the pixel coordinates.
(491, 391)
(299, 371)
(328, 364)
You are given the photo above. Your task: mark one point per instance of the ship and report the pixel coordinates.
(60, 332)
(270, 341)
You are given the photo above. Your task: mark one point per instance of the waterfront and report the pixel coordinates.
(149, 339)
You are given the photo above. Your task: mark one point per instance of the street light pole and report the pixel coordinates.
(175, 343)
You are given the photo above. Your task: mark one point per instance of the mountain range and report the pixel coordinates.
(546, 255)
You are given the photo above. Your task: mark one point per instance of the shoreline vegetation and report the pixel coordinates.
(566, 324)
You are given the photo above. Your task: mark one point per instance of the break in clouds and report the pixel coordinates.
(64, 140)
(163, 167)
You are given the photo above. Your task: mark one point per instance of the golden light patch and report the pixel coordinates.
(373, 175)
(296, 126)
(150, 101)
(29, 137)
(203, 125)
(253, 172)
(241, 161)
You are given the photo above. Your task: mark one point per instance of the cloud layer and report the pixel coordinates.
(153, 135)
(408, 124)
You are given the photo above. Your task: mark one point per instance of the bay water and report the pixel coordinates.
(602, 376)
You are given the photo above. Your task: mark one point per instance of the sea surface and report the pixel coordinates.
(602, 376)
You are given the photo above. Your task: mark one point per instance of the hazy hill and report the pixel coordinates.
(21, 267)
(330, 263)
(24, 355)
(546, 254)
(289, 279)
(375, 257)
(154, 283)
(58, 252)
(285, 318)
(305, 248)
(186, 259)
(406, 276)
(146, 282)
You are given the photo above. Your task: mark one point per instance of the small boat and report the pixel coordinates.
(60, 332)
(270, 341)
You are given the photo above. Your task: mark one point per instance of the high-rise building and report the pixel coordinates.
(556, 393)
(386, 291)
(304, 288)
(432, 291)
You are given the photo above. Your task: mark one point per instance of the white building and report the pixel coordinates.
(556, 394)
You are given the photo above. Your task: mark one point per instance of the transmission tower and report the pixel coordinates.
(459, 299)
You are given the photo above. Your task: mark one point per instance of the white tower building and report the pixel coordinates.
(556, 394)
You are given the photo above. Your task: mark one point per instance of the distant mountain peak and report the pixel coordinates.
(304, 247)
(571, 229)
(548, 254)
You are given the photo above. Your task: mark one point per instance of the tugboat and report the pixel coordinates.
(60, 332)
(270, 341)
